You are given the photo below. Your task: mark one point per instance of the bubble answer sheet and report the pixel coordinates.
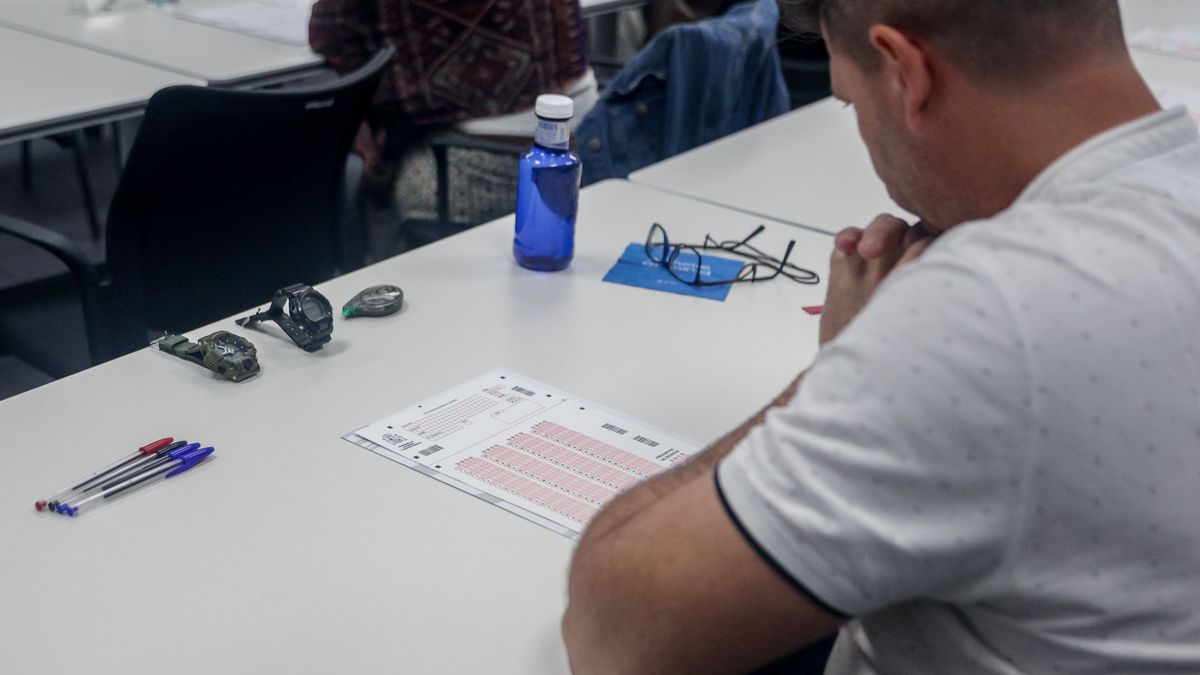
(526, 447)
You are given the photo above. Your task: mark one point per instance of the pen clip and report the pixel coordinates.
(151, 448)
(177, 445)
(189, 459)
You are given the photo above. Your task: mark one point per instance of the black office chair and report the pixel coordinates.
(77, 143)
(226, 196)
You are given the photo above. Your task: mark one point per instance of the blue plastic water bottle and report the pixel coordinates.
(548, 190)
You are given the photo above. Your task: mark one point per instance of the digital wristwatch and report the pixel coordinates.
(307, 320)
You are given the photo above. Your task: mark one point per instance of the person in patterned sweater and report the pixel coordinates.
(455, 61)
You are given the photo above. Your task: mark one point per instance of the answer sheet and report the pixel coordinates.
(526, 447)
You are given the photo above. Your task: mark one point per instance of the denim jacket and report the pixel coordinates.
(692, 84)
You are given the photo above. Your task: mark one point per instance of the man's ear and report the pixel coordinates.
(906, 71)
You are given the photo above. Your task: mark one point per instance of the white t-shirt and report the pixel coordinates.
(996, 467)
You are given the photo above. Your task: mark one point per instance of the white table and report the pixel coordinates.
(63, 87)
(1138, 15)
(298, 552)
(148, 34)
(808, 167)
(1157, 68)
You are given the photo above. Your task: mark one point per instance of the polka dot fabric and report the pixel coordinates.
(996, 467)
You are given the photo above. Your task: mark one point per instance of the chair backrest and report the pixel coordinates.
(226, 196)
(694, 83)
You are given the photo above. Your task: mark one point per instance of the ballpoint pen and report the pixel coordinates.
(179, 461)
(96, 478)
(145, 463)
(132, 467)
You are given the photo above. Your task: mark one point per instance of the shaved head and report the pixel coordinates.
(989, 40)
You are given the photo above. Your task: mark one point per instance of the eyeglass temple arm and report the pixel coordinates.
(730, 245)
(783, 263)
(787, 254)
(757, 231)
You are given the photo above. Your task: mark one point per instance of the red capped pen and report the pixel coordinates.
(80, 486)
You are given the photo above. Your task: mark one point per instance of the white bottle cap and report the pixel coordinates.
(554, 107)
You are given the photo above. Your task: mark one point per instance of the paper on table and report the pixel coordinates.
(526, 447)
(1184, 42)
(279, 20)
(1170, 96)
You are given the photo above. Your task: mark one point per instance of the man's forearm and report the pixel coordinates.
(631, 502)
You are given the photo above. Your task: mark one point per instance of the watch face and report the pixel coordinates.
(228, 343)
(314, 309)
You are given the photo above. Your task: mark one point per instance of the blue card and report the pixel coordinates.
(635, 269)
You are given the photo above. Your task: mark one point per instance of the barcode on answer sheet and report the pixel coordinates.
(647, 441)
(431, 449)
(616, 429)
(522, 390)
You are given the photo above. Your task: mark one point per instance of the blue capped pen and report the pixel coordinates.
(176, 462)
(109, 471)
(141, 465)
(147, 455)
(137, 468)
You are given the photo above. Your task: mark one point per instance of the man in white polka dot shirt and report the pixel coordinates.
(993, 465)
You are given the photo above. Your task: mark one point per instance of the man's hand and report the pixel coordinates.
(861, 260)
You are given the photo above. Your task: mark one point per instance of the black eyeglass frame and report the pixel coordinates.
(794, 272)
(668, 255)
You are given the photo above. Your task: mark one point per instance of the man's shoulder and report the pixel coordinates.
(997, 254)
(1084, 235)
(1141, 206)
(1078, 236)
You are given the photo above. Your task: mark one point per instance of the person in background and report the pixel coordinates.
(992, 465)
(663, 13)
(805, 60)
(455, 62)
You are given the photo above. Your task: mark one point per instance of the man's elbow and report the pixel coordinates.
(573, 638)
(577, 622)
(589, 637)
(592, 652)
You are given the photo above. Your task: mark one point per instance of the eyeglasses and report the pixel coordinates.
(689, 269)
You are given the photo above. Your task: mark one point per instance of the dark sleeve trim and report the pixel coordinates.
(770, 560)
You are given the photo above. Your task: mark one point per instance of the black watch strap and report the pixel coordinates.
(264, 315)
(273, 311)
(284, 305)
